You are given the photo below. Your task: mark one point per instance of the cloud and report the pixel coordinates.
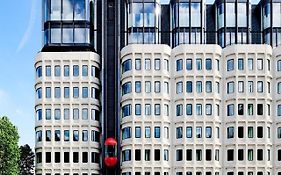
(31, 25)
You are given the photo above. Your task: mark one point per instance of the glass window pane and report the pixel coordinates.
(67, 13)
(55, 9)
(67, 35)
(79, 10)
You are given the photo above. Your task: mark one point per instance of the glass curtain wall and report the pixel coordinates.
(271, 21)
(143, 21)
(233, 21)
(68, 22)
(188, 22)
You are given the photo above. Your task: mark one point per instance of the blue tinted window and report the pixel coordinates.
(188, 64)
(66, 92)
(179, 132)
(39, 114)
(126, 133)
(208, 64)
(85, 92)
(179, 64)
(126, 88)
(48, 114)
(84, 70)
(157, 132)
(137, 132)
(189, 86)
(199, 64)
(57, 92)
(39, 72)
(189, 109)
(39, 93)
(230, 64)
(57, 71)
(48, 71)
(126, 65)
(48, 92)
(57, 114)
(188, 132)
(75, 92)
(126, 110)
(75, 70)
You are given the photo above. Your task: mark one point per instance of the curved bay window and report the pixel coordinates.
(143, 21)
(271, 21)
(233, 22)
(188, 22)
(70, 23)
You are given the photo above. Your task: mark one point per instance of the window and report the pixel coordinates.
(189, 87)
(57, 135)
(57, 114)
(75, 113)
(250, 109)
(147, 109)
(208, 132)
(137, 155)
(126, 88)
(48, 157)
(198, 154)
(95, 136)
(218, 65)
(240, 109)
(217, 155)
(48, 114)
(84, 135)
(179, 132)
(208, 86)
(260, 64)
(230, 65)
(199, 86)
(127, 65)
(179, 155)
(85, 92)
(126, 110)
(39, 157)
(230, 155)
(147, 132)
(157, 154)
(179, 87)
(138, 64)
(188, 132)
(48, 71)
(157, 109)
(166, 65)
(189, 154)
(208, 109)
(38, 136)
(250, 86)
(188, 64)
(137, 109)
(166, 110)
(138, 87)
(166, 132)
(66, 92)
(208, 64)
(147, 86)
(250, 64)
(198, 132)
(48, 135)
(76, 135)
(199, 64)
(66, 135)
(250, 132)
(260, 109)
(39, 93)
(260, 132)
(84, 70)
(39, 72)
(218, 132)
(57, 92)
(147, 155)
(57, 71)
(230, 87)
(126, 155)
(147, 64)
(250, 155)
(208, 155)
(166, 87)
(240, 154)
(157, 87)
(156, 132)
(188, 109)
(240, 132)
(179, 65)
(66, 71)
(259, 154)
(230, 110)
(179, 110)
(260, 86)
(279, 132)
(199, 109)
(240, 86)
(48, 92)
(75, 157)
(279, 155)
(75, 92)
(240, 64)
(75, 70)
(39, 114)
(126, 133)
(230, 132)
(166, 155)
(157, 64)
(137, 132)
(85, 114)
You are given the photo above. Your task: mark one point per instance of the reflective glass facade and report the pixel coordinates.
(143, 21)
(69, 22)
(187, 22)
(271, 20)
(233, 21)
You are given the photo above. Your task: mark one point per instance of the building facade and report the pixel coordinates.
(185, 88)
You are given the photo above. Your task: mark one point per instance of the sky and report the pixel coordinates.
(20, 40)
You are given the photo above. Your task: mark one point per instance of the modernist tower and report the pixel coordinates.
(185, 88)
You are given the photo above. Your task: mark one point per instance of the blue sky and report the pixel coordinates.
(20, 40)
